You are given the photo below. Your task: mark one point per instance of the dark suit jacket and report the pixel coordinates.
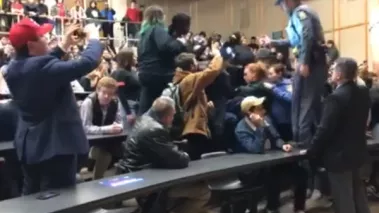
(49, 123)
(340, 139)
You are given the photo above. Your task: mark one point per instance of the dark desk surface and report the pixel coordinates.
(90, 195)
(103, 137)
(8, 145)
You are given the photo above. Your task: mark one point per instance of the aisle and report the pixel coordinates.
(374, 206)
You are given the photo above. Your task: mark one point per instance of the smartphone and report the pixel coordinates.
(47, 195)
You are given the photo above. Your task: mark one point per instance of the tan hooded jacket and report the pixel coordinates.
(193, 97)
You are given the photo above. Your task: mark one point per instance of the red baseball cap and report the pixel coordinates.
(27, 30)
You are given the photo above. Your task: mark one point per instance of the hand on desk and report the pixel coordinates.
(116, 128)
(287, 147)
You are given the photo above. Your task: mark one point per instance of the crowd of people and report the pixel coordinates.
(60, 16)
(218, 94)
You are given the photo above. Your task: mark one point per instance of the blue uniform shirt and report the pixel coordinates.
(304, 30)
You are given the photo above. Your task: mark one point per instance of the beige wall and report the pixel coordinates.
(344, 21)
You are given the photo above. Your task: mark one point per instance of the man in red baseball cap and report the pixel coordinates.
(28, 33)
(50, 133)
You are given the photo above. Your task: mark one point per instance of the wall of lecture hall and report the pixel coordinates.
(345, 21)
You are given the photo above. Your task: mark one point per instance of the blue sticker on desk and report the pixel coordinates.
(120, 181)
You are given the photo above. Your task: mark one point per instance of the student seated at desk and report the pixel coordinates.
(150, 145)
(255, 134)
(101, 114)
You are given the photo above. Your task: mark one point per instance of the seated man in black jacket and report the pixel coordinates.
(150, 145)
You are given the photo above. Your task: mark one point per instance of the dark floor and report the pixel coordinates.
(312, 207)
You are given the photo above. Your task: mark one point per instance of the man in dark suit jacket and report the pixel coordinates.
(340, 140)
(50, 133)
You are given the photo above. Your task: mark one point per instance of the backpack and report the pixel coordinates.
(173, 92)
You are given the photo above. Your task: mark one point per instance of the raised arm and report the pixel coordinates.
(67, 71)
(166, 43)
(205, 78)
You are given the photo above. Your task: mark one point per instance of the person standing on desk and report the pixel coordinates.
(50, 133)
(305, 37)
(340, 140)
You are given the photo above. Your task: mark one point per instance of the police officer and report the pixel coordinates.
(305, 37)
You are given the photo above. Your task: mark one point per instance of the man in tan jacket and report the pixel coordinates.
(194, 100)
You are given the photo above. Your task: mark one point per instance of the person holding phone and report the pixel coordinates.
(49, 134)
(101, 114)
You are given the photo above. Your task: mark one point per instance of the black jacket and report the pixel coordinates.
(244, 55)
(42, 9)
(340, 139)
(130, 86)
(150, 145)
(157, 51)
(93, 13)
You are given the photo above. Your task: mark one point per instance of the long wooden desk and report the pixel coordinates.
(90, 195)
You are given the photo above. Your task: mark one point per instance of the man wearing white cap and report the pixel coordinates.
(255, 134)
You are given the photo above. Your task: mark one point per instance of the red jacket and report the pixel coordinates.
(133, 14)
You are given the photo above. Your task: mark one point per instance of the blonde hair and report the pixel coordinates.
(107, 82)
(97, 74)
